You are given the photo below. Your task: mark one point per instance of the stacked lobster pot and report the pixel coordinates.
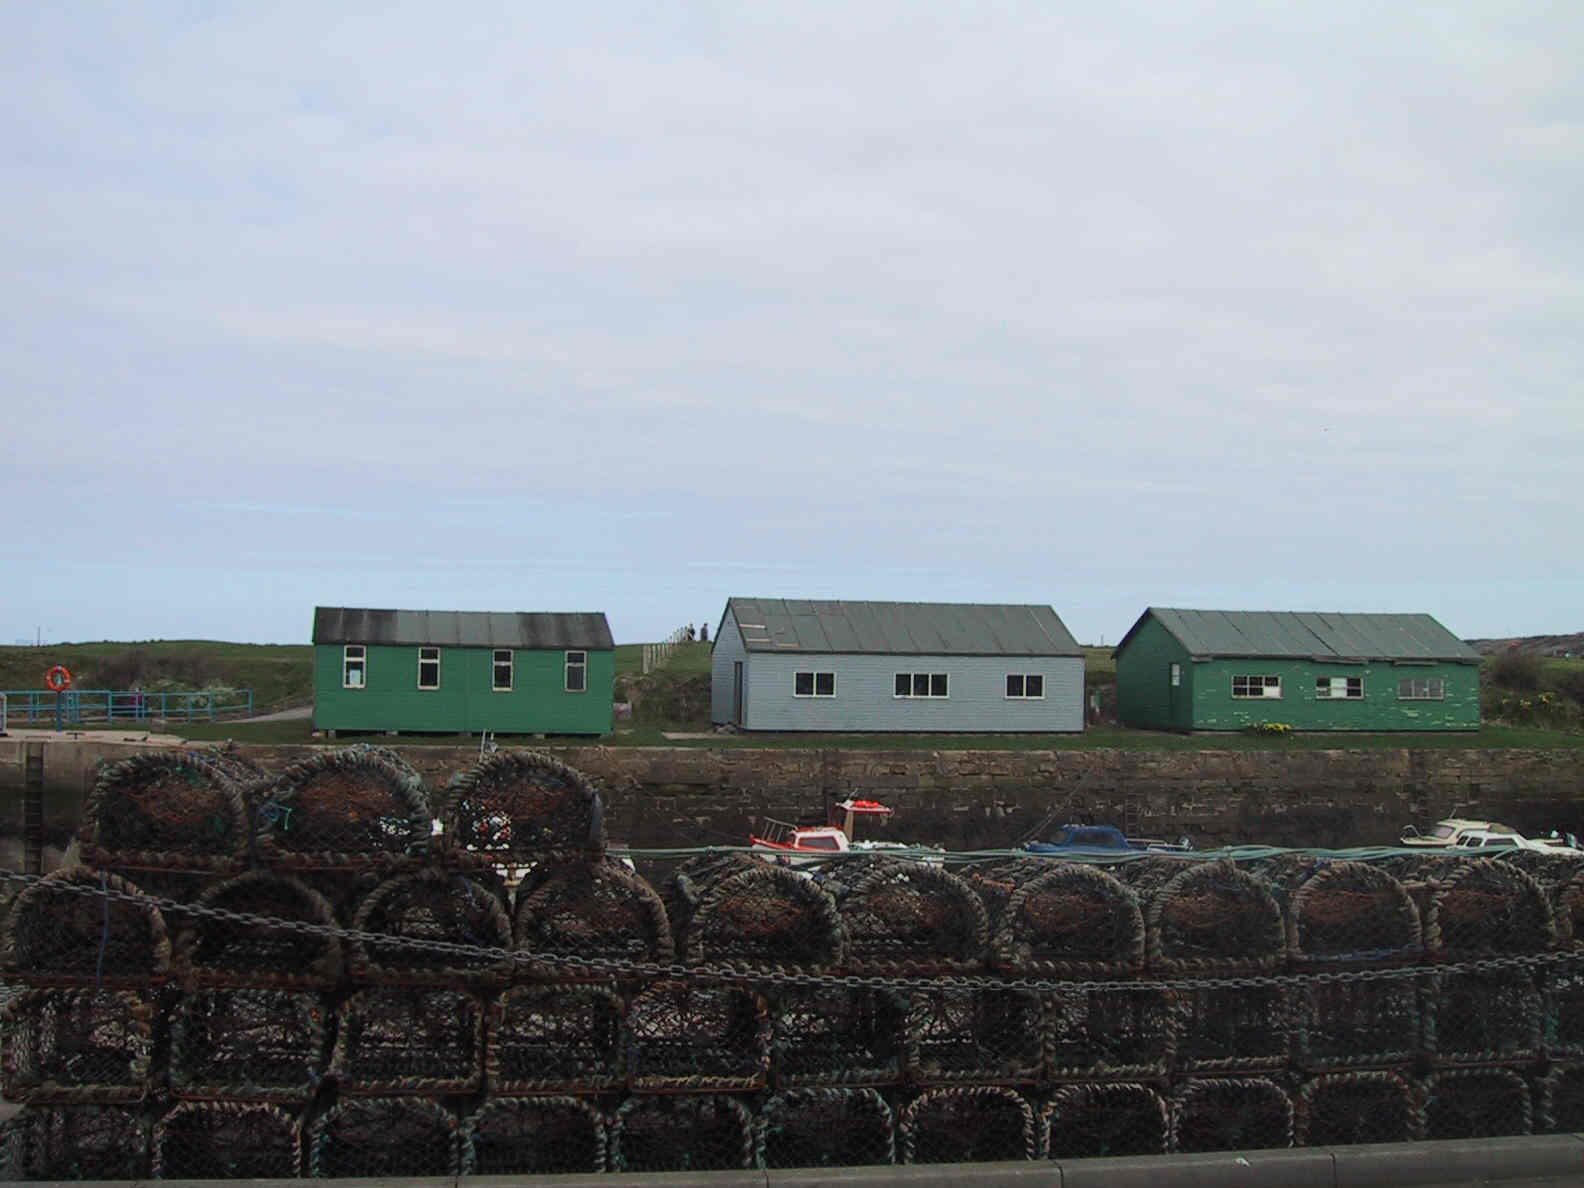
(1216, 932)
(552, 1035)
(1559, 1079)
(322, 973)
(96, 1048)
(1356, 1034)
(1484, 1029)
(1107, 1031)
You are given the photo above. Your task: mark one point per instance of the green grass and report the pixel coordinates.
(283, 674)
(278, 674)
(1114, 738)
(684, 658)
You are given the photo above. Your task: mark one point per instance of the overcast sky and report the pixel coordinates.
(632, 309)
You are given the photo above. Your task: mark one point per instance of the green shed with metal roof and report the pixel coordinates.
(1227, 670)
(459, 672)
(827, 665)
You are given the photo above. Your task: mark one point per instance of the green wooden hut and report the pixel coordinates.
(1224, 670)
(462, 671)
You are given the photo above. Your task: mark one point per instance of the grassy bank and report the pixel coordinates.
(1114, 737)
(1529, 702)
(278, 674)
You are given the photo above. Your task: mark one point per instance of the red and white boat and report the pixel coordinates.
(799, 845)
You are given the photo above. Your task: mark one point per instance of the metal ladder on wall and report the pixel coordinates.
(1130, 813)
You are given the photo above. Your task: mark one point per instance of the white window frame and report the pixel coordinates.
(348, 660)
(569, 665)
(1008, 695)
(1176, 675)
(1435, 689)
(496, 663)
(428, 656)
(1267, 683)
(1326, 688)
(814, 682)
(929, 685)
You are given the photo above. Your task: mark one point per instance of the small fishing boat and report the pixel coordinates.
(800, 845)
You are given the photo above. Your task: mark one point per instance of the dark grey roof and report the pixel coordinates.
(900, 628)
(461, 629)
(1308, 634)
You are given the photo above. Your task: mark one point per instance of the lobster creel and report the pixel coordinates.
(173, 810)
(513, 805)
(533, 1136)
(342, 809)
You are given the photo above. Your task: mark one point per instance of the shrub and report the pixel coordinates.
(1268, 729)
(1570, 683)
(1520, 671)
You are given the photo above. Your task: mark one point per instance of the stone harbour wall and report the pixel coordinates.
(665, 796)
(660, 796)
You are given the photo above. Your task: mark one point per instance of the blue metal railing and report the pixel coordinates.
(79, 706)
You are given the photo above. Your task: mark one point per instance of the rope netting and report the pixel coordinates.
(544, 1039)
(681, 1035)
(990, 1035)
(827, 1127)
(1344, 1024)
(1230, 1114)
(422, 1040)
(1123, 1034)
(1485, 908)
(589, 909)
(384, 1136)
(77, 1142)
(210, 952)
(1561, 1100)
(342, 808)
(1231, 1028)
(1476, 1103)
(435, 905)
(248, 1044)
(838, 1035)
(534, 1136)
(56, 936)
(1072, 920)
(168, 810)
(1214, 917)
(1480, 1018)
(905, 917)
(753, 916)
(226, 1140)
(967, 1124)
(1352, 912)
(514, 1002)
(1356, 1107)
(77, 1045)
(683, 1132)
(514, 805)
(1081, 1121)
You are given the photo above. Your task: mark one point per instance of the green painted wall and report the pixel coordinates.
(391, 700)
(1215, 708)
(1145, 695)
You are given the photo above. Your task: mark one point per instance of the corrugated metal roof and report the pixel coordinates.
(900, 628)
(462, 629)
(1312, 634)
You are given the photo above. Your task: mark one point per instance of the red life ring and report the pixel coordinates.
(58, 678)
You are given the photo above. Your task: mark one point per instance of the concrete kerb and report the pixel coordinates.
(1300, 1167)
(1454, 1161)
(1555, 1158)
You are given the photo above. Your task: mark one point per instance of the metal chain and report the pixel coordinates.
(616, 967)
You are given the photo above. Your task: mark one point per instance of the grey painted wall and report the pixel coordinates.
(728, 648)
(865, 697)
